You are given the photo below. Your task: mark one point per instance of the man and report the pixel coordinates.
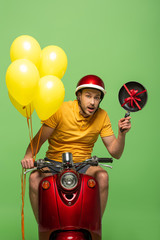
(75, 128)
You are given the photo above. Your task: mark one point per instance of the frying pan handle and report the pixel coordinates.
(126, 115)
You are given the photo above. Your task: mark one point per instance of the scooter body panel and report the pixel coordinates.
(56, 212)
(48, 207)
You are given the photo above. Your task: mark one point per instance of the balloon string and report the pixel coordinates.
(31, 124)
(23, 186)
(23, 177)
(30, 129)
(31, 135)
(38, 141)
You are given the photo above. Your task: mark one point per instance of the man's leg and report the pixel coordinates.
(34, 180)
(102, 178)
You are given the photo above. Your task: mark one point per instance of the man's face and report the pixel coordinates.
(89, 100)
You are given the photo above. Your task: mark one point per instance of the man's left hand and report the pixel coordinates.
(124, 125)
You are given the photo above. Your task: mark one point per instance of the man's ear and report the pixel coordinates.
(79, 93)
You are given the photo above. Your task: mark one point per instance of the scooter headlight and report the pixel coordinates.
(69, 180)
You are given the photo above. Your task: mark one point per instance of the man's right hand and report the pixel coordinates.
(27, 162)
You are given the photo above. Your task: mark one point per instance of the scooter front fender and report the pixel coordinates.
(64, 235)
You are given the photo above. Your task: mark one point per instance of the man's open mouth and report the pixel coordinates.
(91, 109)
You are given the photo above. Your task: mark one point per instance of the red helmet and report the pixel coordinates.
(91, 81)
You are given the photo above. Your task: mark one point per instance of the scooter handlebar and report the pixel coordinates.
(105, 160)
(41, 163)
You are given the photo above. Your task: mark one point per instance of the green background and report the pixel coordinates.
(119, 41)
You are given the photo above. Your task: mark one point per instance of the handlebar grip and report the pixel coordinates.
(35, 163)
(105, 160)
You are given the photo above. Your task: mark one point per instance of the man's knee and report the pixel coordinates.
(34, 181)
(102, 178)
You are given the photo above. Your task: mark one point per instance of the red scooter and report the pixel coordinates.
(69, 202)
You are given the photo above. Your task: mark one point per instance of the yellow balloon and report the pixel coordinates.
(25, 47)
(49, 96)
(22, 79)
(26, 111)
(53, 62)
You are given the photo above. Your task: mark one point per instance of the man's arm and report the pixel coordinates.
(115, 146)
(27, 161)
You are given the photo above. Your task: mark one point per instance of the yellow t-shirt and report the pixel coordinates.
(74, 133)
